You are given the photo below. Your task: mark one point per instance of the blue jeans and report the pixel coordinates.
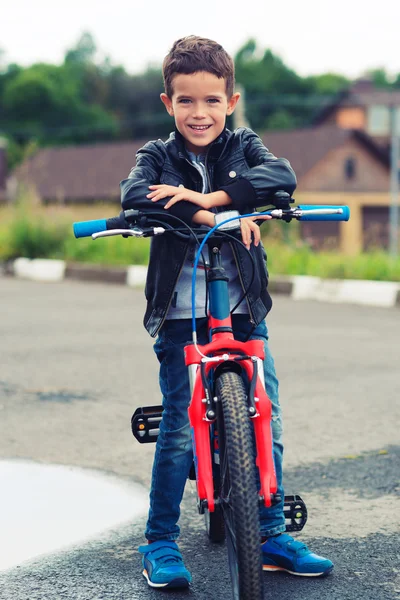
(173, 455)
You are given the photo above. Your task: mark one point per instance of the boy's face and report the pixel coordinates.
(199, 105)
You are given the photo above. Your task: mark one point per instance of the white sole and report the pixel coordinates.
(151, 584)
(272, 569)
(160, 585)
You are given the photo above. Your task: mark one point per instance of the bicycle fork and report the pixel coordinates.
(202, 414)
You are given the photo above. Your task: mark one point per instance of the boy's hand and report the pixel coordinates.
(204, 217)
(248, 228)
(177, 194)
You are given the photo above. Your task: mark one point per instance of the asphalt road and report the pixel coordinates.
(75, 362)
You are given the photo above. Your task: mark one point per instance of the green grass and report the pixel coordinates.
(107, 251)
(301, 260)
(43, 236)
(37, 231)
(32, 238)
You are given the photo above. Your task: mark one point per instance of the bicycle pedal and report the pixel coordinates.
(145, 423)
(295, 512)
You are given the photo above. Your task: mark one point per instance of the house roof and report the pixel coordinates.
(362, 93)
(93, 172)
(305, 147)
(83, 172)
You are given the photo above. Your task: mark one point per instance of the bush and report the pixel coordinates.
(299, 259)
(108, 251)
(33, 238)
(34, 231)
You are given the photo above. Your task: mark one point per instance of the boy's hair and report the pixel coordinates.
(192, 54)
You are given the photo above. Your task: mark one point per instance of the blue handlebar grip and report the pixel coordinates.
(86, 228)
(344, 216)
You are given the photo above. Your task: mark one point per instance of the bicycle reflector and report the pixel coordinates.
(145, 423)
(295, 512)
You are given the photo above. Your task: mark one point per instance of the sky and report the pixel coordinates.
(311, 36)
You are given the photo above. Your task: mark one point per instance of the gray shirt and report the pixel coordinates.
(181, 305)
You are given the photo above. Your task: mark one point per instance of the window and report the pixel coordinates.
(378, 120)
(397, 119)
(350, 168)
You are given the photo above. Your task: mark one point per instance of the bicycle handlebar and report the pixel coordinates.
(343, 215)
(88, 228)
(300, 213)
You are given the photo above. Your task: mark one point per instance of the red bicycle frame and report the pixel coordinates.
(224, 348)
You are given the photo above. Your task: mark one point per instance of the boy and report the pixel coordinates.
(203, 168)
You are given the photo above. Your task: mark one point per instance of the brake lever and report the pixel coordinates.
(134, 232)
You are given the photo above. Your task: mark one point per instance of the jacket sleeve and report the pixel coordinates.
(148, 169)
(266, 175)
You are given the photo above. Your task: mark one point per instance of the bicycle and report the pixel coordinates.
(230, 412)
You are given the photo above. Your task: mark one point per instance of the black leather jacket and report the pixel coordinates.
(236, 162)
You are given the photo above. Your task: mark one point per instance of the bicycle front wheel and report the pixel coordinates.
(239, 497)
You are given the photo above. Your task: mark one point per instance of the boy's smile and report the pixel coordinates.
(199, 105)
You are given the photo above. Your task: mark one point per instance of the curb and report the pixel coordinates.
(54, 271)
(384, 294)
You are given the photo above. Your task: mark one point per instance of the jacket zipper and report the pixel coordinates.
(231, 245)
(207, 173)
(198, 170)
(172, 295)
(180, 270)
(187, 250)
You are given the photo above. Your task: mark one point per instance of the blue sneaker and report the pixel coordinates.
(283, 553)
(163, 565)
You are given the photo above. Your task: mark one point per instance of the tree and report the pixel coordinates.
(84, 51)
(43, 101)
(327, 84)
(2, 60)
(276, 96)
(379, 77)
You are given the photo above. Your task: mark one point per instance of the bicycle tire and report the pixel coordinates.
(239, 496)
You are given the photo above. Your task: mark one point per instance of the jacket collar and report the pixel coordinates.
(214, 151)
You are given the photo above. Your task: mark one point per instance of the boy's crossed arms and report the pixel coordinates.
(176, 194)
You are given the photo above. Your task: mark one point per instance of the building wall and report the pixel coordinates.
(355, 235)
(329, 173)
(376, 230)
(366, 193)
(351, 118)
(323, 235)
